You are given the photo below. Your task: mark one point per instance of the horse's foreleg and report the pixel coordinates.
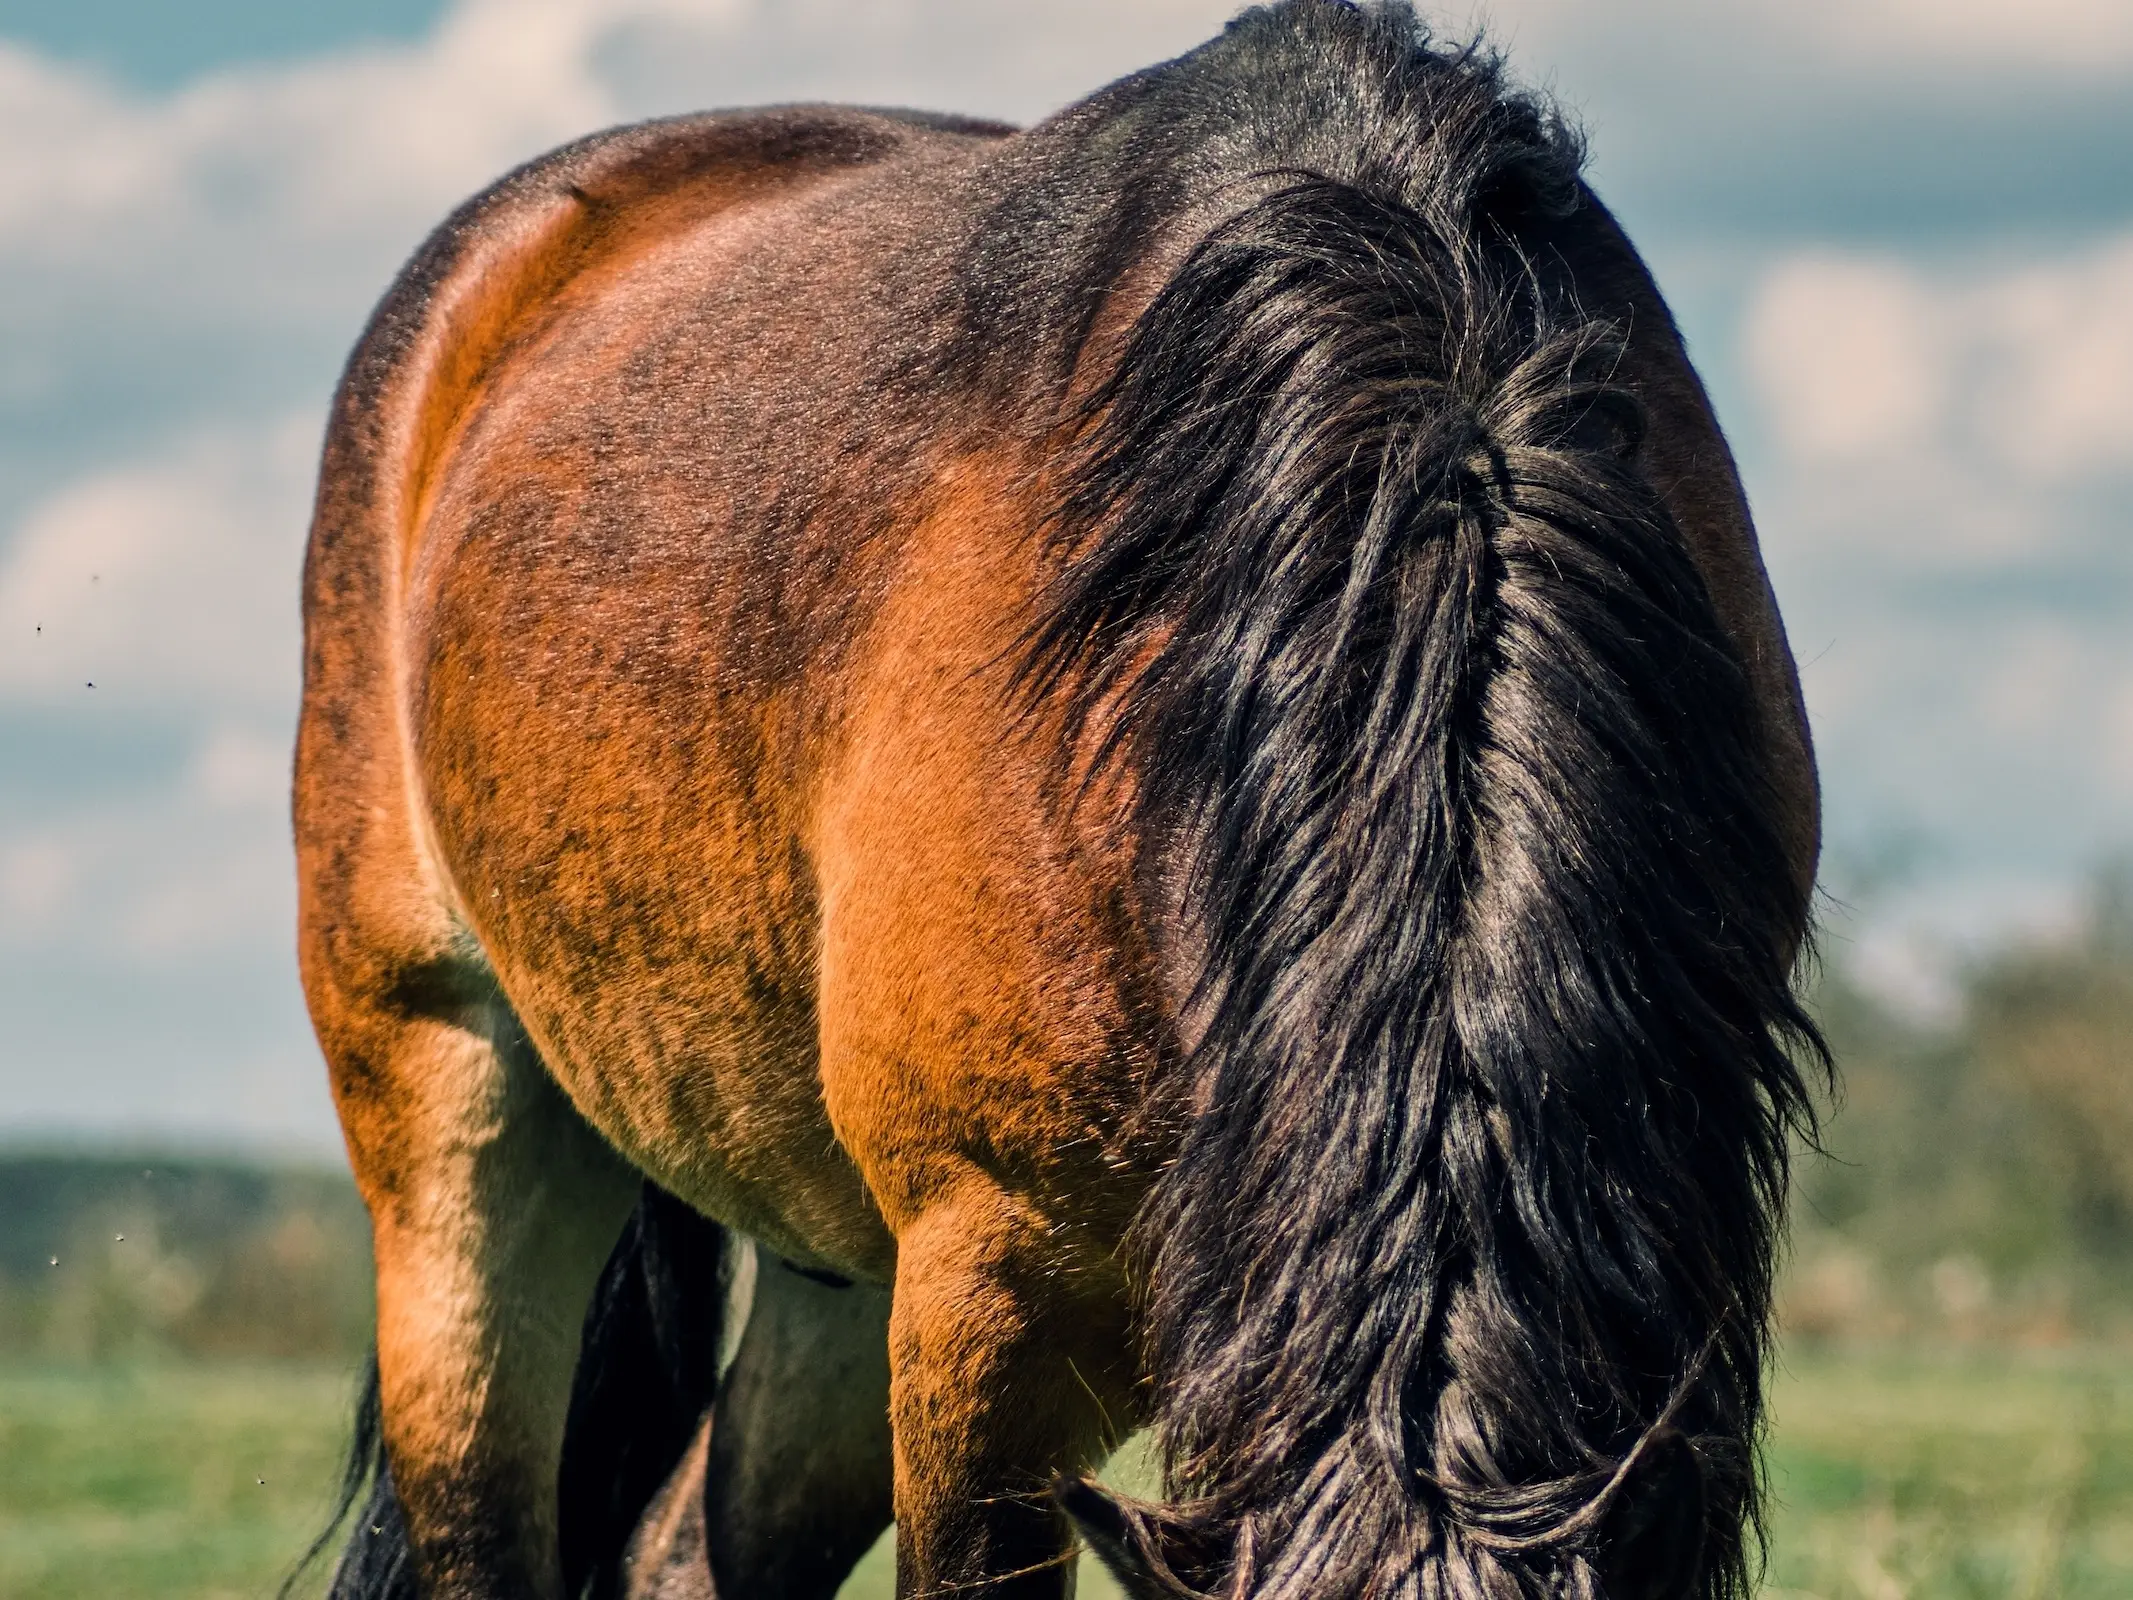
(990, 1401)
(493, 1207)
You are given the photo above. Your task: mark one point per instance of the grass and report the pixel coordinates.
(185, 1482)
(1896, 1477)
(1906, 1478)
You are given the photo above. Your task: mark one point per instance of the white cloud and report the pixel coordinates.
(1849, 356)
(340, 142)
(36, 876)
(169, 582)
(1894, 40)
(1007, 58)
(2115, 732)
(219, 889)
(286, 181)
(240, 216)
(1982, 723)
(241, 769)
(2063, 338)
(1870, 359)
(2041, 671)
(2074, 36)
(189, 866)
(1944, 512)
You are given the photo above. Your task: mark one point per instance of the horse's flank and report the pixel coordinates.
(672, 800)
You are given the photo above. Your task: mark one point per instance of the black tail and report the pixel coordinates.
(647, 1369)
(1471, 869)
(375, 1563)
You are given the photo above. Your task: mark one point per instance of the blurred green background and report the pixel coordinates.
(1954, 1409)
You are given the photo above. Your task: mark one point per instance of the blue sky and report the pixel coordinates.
(157, 46)
(1899, 234)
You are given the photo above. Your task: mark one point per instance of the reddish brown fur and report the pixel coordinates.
(714, 803)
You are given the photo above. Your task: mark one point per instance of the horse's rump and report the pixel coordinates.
(1197, 674)
(586, 534)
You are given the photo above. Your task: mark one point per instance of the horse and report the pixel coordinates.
(1150, 761)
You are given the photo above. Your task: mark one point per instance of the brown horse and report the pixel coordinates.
(1155, 751)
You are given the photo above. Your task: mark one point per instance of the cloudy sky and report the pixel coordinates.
(1898, 232)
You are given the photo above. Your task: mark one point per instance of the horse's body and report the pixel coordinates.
(723, 763)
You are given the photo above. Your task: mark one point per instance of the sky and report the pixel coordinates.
(1898, 235)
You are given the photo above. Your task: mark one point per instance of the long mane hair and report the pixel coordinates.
(1464, 855)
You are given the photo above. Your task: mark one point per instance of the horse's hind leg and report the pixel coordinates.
(802, 1467)
(492, 1207)
(1007, 1375)
(793, 1482)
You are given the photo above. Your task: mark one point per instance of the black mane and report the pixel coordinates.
(1460, 842)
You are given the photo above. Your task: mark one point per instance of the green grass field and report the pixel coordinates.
(1902, 1479)
(1897, 1478)
(182, 1481)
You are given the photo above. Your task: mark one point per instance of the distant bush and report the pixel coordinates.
(1979, 1184)
(106, 1256)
